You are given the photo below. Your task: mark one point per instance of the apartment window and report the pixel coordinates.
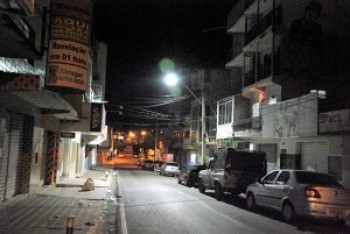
(335, 167)
(225, 112)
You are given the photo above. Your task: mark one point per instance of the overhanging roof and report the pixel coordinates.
(39, 102)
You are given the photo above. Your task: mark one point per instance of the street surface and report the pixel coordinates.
(152, 203)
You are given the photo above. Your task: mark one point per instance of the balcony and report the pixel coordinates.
(263, 24)
(234, 23)
(248, 124)
(249, 78)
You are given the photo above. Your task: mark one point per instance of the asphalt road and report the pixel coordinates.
(152, 203)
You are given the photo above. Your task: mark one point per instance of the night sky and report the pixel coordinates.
(139, 33)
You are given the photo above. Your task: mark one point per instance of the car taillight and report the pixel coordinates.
(312, 193)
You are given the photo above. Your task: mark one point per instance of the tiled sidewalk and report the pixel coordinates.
(47, 211)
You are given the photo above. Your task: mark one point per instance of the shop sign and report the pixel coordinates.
(68, 134)
(69, 45)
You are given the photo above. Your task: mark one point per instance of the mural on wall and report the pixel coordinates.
(286, 120)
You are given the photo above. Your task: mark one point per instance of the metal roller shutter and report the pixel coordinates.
(5, 157)
(314, 156)
(44, 156)
(15, 151)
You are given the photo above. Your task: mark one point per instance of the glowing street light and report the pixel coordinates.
(171, 79)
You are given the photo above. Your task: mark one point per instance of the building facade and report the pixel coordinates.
(40, 138)
(292, 79)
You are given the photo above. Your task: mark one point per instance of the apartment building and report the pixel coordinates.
(289, 57)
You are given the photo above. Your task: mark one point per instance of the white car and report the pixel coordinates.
(169, 169)
(298, 193)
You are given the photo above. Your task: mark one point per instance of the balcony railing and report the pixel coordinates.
(259, 28)
(263, 71)
(249, 78)
(248, 124)
(237, 11)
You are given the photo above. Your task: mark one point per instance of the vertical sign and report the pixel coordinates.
(96, 117)
(69, 45)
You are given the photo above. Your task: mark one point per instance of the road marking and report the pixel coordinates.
(124, 226)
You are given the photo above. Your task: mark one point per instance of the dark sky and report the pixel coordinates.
(140, 33)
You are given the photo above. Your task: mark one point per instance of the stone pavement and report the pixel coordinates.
(48, 209)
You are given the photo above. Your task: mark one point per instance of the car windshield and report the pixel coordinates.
(148, 161)
(305, 177)
(172, 164)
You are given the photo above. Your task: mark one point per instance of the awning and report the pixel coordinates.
(37, 102)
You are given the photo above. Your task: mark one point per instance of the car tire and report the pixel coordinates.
(288, 213)
(188, 182)
(250, 202)
(218, 192)
(178, 180)
(201, 187)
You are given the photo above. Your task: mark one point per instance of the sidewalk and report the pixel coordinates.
(47, 211)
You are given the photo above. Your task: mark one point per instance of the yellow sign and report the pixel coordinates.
(69, 45)
(66, 76)
(69, 52)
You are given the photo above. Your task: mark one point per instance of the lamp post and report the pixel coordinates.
(172, 79)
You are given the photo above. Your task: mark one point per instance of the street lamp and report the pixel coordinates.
(171, 79)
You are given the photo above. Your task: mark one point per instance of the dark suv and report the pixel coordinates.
(188, 174)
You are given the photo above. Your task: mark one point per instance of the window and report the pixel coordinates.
(270, 177)
(335, 167)
(225, 112)
(308, 177)
(283, 178)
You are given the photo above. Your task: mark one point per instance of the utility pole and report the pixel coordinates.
(203, 114)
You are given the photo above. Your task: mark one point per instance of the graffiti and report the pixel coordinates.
(278, 132)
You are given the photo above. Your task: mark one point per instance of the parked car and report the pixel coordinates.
(188, 174)
(157, 165)
(169, 169)
(148, 165)
(297, 193)
(232, 170)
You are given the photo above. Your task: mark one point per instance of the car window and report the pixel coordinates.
(308, 177)
(173, 164)
(268, 179)
(283, 178)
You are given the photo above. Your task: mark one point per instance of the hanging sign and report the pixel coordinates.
(69, 45)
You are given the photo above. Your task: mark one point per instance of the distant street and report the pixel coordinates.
(152, 203)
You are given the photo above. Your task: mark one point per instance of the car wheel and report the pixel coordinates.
(218, 192)
(250, 202)
(178, 180)
(201, 187)
(288, 212)
(188, 182)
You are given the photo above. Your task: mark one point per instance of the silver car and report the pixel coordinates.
(169, 169)
(297, 193)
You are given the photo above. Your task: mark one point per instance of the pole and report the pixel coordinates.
(156, 139)
(203, 115)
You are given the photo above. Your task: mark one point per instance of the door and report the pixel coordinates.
(271, 151)
(265, 195)
(279, 189)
